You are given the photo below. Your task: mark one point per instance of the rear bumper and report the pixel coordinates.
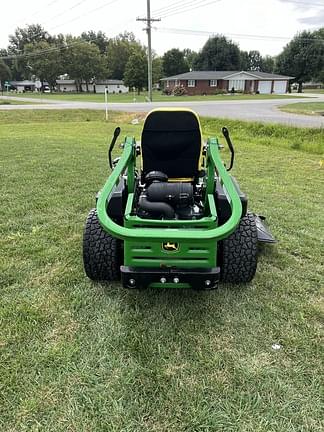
(140, 277)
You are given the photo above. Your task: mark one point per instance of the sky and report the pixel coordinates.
(264, 25)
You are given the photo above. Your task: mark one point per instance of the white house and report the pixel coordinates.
(66, 85)
(114, 86)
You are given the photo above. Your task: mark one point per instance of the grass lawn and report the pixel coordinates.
(79, 356)
(313, 90)
(312, 108)
(157, 97)
(14, 102)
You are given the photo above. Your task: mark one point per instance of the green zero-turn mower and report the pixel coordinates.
(169, 214)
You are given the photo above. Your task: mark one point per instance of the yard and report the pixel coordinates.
(79, 356)
(12, 101)
(311, 108)
(157, 97)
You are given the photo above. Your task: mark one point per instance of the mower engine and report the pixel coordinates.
(160, 199)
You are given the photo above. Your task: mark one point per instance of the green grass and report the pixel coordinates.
(312, 108)
(313, 90)
(79, 356)
(13, 102)
(157, 97)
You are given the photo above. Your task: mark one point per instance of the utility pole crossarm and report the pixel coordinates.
(148, 29)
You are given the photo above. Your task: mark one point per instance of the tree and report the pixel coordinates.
(24, 36)
(45, 61)
(157, 69)
(268, 64)
(244, 61)
(83, 62)
(174, 62)
(99, 39)
(5, 73)
(119, 51)
(219, 53)
(190, 57)
(319, 75)
(302, 58)
(136, 71)
(255, 61)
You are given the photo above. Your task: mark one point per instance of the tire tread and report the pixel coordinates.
(101, 251)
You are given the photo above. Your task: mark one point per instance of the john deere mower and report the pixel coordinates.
(170, 214)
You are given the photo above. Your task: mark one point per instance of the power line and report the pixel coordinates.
(198, 5)
(85, 14)
(173, 6)
(52, 2)
(78, 17)
(181, 6)
(41, 52)
(321, 5)
(79, 3)
(157, 11)
(238, 35)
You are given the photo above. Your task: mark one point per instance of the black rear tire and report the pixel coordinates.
(239, 252)
(101, 251)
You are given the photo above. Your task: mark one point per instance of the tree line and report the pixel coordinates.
(34, 53)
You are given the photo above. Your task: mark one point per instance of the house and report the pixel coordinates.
(114, 86)
(208, 82)
(23, 86)
(65, 85)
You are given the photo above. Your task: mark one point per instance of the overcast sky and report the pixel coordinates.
(265, 25)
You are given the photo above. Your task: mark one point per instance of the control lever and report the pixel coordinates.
(230, 146)
(112, 145)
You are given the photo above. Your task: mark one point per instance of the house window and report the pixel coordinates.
(168, 83)
(177, 82)
(213, 83)
(191, 83)
(237, 84)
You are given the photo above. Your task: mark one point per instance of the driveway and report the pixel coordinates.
(254, 110)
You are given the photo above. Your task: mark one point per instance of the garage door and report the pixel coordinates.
(265, 87)
(279, 86)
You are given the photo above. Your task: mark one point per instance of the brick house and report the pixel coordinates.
(208, 82)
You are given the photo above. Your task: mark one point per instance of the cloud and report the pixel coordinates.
(315, 20)
(306, 5)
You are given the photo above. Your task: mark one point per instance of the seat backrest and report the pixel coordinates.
(172, 143)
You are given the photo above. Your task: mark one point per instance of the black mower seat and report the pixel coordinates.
(171, 143)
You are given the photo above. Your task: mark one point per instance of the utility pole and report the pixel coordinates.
(148, 29)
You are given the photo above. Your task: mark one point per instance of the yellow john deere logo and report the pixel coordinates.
(170, 246)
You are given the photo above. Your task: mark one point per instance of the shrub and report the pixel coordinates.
(220, 91)
(167, 91)
(179, 91)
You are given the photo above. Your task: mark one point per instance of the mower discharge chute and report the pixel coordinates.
(170, 214)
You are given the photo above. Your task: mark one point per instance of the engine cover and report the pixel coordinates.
(160, 199)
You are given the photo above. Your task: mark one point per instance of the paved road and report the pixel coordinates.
(263, 110)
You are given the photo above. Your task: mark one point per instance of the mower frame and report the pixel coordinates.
(192, 261)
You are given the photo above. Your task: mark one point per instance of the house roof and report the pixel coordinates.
(110, 81)
(208, 75)
(26, 83)
(22, 83)
(65, 81)
(102, 82)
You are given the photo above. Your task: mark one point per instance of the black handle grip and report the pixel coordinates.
(112, 145)
(230, 146)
